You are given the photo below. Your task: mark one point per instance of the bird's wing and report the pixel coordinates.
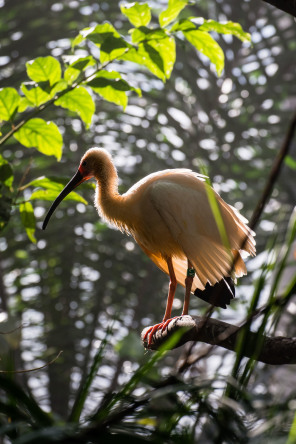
(183, 205)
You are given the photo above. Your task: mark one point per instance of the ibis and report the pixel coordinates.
(170, 215)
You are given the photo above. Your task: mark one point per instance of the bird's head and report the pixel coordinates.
(95, 163)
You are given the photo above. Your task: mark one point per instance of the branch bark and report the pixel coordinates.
(288, 6)
(277, 350)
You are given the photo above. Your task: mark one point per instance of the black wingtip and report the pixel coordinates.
(219, 295)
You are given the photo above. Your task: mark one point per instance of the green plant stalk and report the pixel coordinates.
(84, 390)
(102, 414)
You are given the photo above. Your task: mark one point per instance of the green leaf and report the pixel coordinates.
(24, 104)
(112, 87)
(44, 69)
(226, 28)
(79, 62)
(9, 100)
(183, 25)
(139, 14)
(77, 65)
(156, 51)
(34, 93)
(44, 136)
(205, 44)
(171, 13)
(6, 173)
(50, 195)
(79, 101)
(144, 34)
(52, 188)
(290, 162)
(105, 36)
(28, 219)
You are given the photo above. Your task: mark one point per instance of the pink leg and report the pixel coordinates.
(169, 305)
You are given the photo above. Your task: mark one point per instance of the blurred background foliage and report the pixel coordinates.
(81, 277)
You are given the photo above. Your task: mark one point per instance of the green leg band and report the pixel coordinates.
(190, 272)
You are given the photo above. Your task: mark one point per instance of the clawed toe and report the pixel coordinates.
(152, 330)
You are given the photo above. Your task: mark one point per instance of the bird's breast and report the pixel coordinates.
(150, 230)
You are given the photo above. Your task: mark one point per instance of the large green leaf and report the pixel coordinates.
(9, 100)
(156, 50)
(171, 13)
(226, 28)
(76, 66)
(105, 36)
(51, 189)
(44, 69)
(28, 219)
(44, 136)
(111, 86)
(34, 93)
(80, 101)
(205, 44)
(24, 104)
(139, 14)
(50, 195)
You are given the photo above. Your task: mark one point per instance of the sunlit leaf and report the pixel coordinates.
(53, 183)
(35, 95)
(79, 62)
(9, 100)
(44, 69)
(183, 25)
(226, 28)
(80, 101)
(28, 220)
(144, 34)
(156, 50)
(50, 195)
(44, 136)
(139, 14)
(77, 65)
(105, 36)
(171, 13)
(112, 87)
(205, 44)
(24, 104)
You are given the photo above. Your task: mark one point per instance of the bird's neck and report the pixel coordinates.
(110, 204)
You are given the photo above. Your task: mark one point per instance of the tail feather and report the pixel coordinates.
(219, 294)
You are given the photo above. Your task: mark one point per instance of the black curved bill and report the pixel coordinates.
(73, 183)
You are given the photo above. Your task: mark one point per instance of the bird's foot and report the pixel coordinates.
(154, 328)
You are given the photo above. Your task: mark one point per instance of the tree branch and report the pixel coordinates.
(288, 6)
(277, 350)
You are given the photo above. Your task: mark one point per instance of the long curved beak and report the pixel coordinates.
(76, 180)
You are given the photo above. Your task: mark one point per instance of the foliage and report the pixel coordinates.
(73, 85)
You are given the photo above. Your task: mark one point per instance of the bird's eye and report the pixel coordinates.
(84, 163)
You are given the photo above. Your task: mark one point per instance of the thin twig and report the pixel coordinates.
(36, 368)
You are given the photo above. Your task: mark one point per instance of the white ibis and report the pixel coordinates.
(169, 215)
